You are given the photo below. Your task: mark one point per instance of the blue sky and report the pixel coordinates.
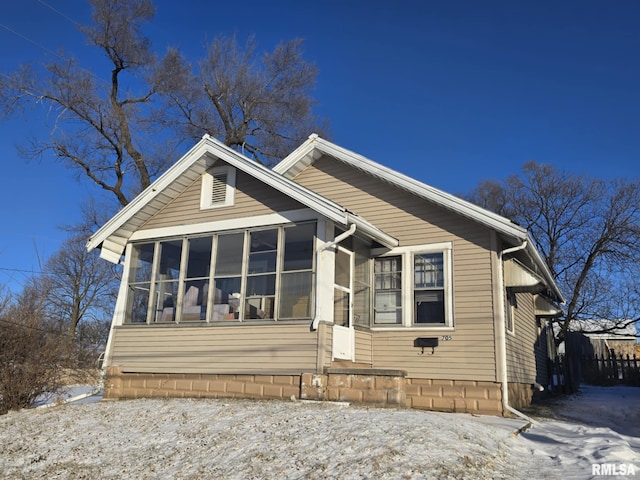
(449, 92)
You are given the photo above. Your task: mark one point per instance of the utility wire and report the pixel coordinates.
(33, 42)
(66, 17)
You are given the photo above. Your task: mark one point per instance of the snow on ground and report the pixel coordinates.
(243, 439)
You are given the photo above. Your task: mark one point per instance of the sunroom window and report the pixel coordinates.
(250, 275)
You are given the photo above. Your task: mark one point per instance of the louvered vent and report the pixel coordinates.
(219, 188)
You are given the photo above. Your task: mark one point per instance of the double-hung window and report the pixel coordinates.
(413, 287)
(428, 289)
(388, 287)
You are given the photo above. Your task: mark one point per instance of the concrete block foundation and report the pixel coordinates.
(379, 387)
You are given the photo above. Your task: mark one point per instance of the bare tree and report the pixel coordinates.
(109, 129)
(81, 286)
(259, 104)
(588, 232)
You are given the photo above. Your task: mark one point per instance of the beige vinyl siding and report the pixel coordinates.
(471, 353)
(267, 349)
(468, 356)
(364, 347)
(542, 356)
(252, 198)
(521, 360)
(325, 343)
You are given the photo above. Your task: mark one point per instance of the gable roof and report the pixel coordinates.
(112, 237)
(315, 147)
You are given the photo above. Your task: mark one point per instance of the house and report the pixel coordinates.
(604, 337)
(330, 277)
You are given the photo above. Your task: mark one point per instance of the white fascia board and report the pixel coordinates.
(298, 154)
(209, 146)
(153, 190)
(372, 232)
(446, 200)
(544, 269)
(439, 197)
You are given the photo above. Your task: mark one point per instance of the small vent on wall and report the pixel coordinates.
(219, 188)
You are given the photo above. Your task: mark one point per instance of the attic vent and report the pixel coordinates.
(218, 186)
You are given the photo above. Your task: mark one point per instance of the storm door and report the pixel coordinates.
(343, 334)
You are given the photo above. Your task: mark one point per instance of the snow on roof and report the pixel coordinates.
(614, 329)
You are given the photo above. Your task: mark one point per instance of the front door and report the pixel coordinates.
(343, 334)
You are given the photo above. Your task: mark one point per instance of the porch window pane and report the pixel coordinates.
(229, 255)
(170, 254)
(166, 294)
(295, 295)
(142, 263)
(226, 299)
(199, 259)
(261, 294)
(140, 282)
(298, 247)
(139, 302)
(262, 262)
(196, 285)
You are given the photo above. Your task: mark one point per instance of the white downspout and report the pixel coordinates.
(319, 250)
(339, 238)
(501, 347)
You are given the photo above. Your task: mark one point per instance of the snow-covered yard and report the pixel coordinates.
(241, 439)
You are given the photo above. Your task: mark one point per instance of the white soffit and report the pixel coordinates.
(545, 308)
(517, 275)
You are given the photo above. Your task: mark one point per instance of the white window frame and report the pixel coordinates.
(182, 278)
(408, 254)
(207, 187)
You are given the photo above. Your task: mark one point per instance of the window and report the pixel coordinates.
(165, 288)
(412, 287)
(261, 276)
(428, 288)
(388, 285)
(218, 187)
(296, 279)
(512, 304)
(361, 284)
(140, 281)
(195, 290)
(251, 275)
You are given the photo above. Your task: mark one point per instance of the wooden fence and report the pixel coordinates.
(611, 369)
